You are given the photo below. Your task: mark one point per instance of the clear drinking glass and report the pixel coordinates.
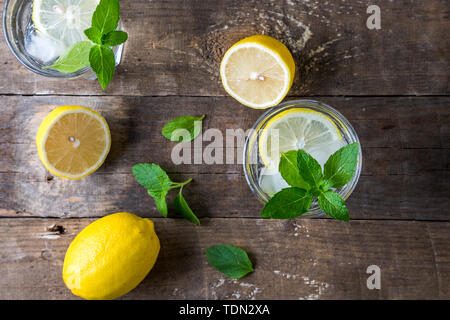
(18, 28)
(253, 165)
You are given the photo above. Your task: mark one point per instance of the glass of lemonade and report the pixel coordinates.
(38, 32)
(310, 125)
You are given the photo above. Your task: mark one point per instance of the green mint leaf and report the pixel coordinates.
(309, 169)
(103, 63)
(152, 178)
(183, 208)
(341, 165)
(74, 59)
(183, 129)
(114, 38)
(324, 185)
(289, 170)
(333, 205)
(158, 184)
(94, 35)
(230, 260)
(287, 203)
(160, 200)
(106, 16)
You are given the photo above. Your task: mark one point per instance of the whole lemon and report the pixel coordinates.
(111, 256)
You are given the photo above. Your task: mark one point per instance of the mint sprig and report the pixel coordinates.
(97, 52)
(158, 184)
(232, 261)
(304, 174)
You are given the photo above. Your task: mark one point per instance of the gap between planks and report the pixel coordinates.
(225, 217)
(222, 96)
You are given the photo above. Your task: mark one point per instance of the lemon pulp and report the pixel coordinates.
(63, 20)
(73, 141)
(258, 71)
(293, 129)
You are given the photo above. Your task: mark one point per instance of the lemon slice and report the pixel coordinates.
(299, 128)
(73, 141)
(258, 71)
(64, 20)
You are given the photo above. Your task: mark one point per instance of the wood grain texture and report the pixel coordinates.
(175, 44)
(303, 259)
(405, 144)
(169, 69)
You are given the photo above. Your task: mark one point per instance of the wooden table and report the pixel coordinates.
(392, 84)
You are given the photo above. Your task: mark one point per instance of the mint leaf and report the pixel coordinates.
(158, 184)
(152, 177)
(333, 205)
(230, 260)
(156, 181)
(114, 38)
(287, 203)
(309, 169)
(182, 207)
(173, 129)
(74, 59)
(324, 185)
(289, 170)
(103, 63)
(106, 16)
(160, 200)
(341, 165)
(94, 35)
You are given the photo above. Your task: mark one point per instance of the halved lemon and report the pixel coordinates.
(299, 128)
(64, 20)
(73, 141)
(258, 71)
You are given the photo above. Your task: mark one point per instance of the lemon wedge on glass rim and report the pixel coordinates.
(63, 20)
(293, 129)
(258, 71)
(73, 141)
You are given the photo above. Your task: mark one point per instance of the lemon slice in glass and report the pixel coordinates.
(73, 141)
(258, 71)
(63, 20)
(295, 129)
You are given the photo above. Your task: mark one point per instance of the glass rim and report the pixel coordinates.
(50, 73)
(252, 139)
(27, 64)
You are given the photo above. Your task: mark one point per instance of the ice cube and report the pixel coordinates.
(43, 48)
(323, 151)
(271, 182)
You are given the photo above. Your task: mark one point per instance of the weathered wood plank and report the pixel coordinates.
(405, 171)
(175, 44)
(303, 259)
(214, 195)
